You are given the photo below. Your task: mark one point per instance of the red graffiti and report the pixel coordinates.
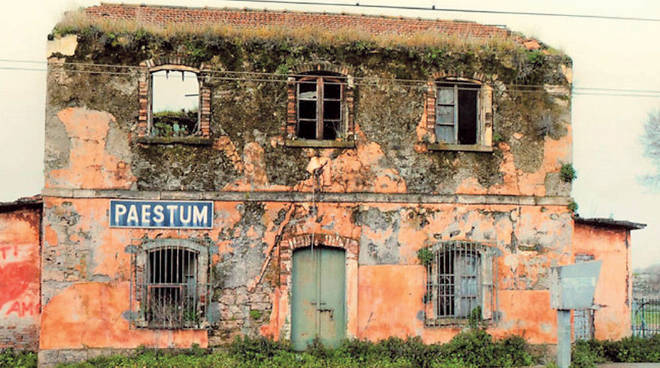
(11, 249)
(16, 278)
(23, 308)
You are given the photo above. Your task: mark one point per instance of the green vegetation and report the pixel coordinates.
(567, 173)
(17, 359)
(174, 123)
(573, 206)
(425, 256)
(255, 314)
(470, 349)
(586, 354)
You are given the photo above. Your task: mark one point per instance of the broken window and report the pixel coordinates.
(457, 113)
(459, 283)
(170, 286)
(319, 106)
(174, 103)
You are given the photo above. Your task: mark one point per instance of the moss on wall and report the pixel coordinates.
(252, 107)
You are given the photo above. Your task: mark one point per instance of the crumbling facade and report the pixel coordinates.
(337, 176)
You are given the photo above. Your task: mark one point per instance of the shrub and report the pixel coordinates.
(18, 359)
(259, 348)
(567, 173)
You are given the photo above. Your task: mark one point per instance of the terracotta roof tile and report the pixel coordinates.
(254, 18)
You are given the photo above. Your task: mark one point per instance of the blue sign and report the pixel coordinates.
(161, 214)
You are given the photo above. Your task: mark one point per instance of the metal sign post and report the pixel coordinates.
(572, 287)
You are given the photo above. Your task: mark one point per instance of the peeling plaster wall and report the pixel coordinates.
(84, 262)
(19, 283)
(614, 288)
(92, 119)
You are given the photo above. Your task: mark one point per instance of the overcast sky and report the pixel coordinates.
(607, 151)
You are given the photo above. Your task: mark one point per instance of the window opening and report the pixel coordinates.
(171, 288)
(174, 103)
(457, 113)
(459, 281)
(319, 107)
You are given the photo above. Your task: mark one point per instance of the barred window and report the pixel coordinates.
(170, 286)
(459, 283)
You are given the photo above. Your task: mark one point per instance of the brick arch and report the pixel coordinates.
(172, 61)
(321, 66)
(475, 77)
(351, 246)
(329, 240)
(179, 63)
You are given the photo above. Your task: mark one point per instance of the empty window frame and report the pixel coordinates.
(174, 103)
(319, 107)
(457, 113)
(459, 283)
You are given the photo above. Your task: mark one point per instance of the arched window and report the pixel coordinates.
(320, 106)
(174, 103)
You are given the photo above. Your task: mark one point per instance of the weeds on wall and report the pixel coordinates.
(425, 256)
(567, 173)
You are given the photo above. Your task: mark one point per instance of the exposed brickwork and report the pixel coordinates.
(242, 312)
(371, 24)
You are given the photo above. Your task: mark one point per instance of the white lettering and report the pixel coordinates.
(185, 220)
(120, 210)
(132, 215)
(158, 211)
(172, 209)
(200, 215)
(146, 214)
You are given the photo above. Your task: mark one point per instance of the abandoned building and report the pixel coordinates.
(211, 173)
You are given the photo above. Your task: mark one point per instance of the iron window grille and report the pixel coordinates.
(459, 282)
(320, 107)
(169, 286)
(457, 113)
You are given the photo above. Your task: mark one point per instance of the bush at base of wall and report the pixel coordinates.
(473, 349)
(586, 354)
(17, 359)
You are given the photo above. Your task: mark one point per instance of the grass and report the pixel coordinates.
(74, 22)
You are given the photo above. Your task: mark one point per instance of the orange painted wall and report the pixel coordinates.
(614, 288)
(19, 278)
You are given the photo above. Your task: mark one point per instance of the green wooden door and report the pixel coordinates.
(318, 306)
